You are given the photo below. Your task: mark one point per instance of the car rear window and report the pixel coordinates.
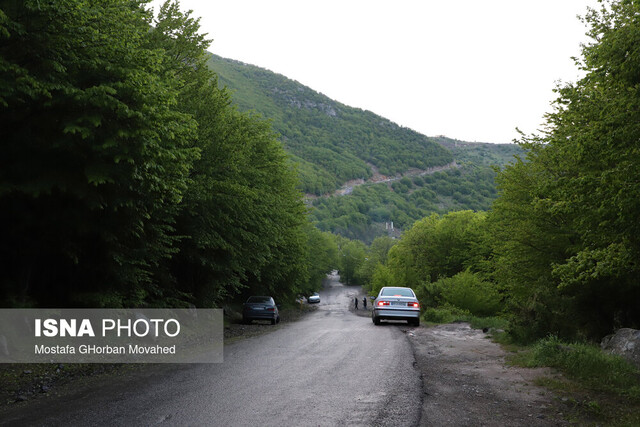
(403, 292)
(260, 300)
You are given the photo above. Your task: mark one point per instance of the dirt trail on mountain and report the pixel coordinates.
(377, 177)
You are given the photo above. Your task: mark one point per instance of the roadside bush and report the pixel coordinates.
(443, 314)
(449, 314)
(429, 294)
(467, 291)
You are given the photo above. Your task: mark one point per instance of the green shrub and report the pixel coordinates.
(429, 294)
(382, 277)
(449, 314)
(440, 314)
(467, 291)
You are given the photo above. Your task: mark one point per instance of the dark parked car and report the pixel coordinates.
(260, 308)
(395, 303)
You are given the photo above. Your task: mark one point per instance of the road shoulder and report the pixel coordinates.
(467, 382)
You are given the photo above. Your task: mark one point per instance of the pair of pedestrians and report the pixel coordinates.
(364, 302)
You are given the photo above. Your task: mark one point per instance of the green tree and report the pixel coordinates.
(95, 155)
(437, 247)
(568, 216)
(527, 239)
(382, 276)
(127, 177)
(596, 127)
(350, 257)
(469, 292)
(376, 255)
(242, 218)
(322, 255)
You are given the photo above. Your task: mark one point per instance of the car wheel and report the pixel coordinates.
(414, 322)
(278, 319)
(273, 321)
(376, 320)
(246, 321)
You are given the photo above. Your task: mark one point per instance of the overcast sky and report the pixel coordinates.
(468, 69)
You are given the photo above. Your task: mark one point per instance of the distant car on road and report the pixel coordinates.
(315, 298)
(260, 308)
(396, 303)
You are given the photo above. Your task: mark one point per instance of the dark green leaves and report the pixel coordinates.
(126, 177)
(569, 217)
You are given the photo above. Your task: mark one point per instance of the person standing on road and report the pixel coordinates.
(364, 302)
(356, 301)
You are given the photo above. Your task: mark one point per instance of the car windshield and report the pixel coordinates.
(259, 300)
(397, 292)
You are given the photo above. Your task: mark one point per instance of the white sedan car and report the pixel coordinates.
(315, 298)
(395, 303)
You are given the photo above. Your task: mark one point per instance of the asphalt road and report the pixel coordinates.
(330, 368)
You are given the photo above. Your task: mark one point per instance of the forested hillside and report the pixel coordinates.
(331, 142)
(368, 211)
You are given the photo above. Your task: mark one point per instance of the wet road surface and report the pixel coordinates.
(330, 368)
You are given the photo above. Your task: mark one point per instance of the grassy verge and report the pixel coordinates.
(586, 364)
(437, 315)
(597, 387)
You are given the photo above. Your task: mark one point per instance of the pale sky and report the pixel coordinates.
(468, 69)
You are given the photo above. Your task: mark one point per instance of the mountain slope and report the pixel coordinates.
(331, 142)
(370, 171)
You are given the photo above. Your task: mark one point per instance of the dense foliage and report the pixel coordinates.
(331, 142)
(558, 251)
(435, 247)
(126, 176)
(569, 217)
